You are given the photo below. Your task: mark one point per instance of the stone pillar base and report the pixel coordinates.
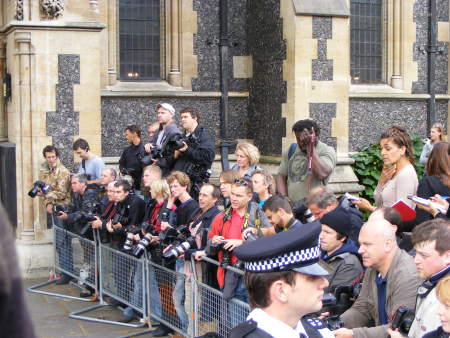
(35, 258)
(343, 178)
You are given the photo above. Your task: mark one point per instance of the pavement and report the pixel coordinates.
(50, 314)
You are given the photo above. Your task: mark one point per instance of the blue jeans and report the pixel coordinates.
(179, 294)
(234, 314)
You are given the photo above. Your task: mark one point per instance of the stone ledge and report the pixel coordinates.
(90, 26)
(35, 258)
(168, 93)
(321, 8)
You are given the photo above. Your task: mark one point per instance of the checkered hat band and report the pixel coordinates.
(285, 260)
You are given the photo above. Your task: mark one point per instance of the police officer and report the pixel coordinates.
(285, 281)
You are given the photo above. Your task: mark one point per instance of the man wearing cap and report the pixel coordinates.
(338, 251)
(390, 281)
(285, 281)
(167, 131)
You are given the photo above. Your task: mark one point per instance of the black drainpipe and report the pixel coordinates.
(431, 50)
(224, 43)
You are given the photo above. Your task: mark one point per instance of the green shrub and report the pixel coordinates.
(368, 164)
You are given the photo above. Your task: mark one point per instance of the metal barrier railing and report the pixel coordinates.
(169, 295)
(213, 313)
(122, 277)
(76, 257)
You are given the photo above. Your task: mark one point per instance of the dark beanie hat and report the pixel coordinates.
(338, 220)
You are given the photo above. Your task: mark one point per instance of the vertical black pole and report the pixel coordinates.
(224, 43)
(432, 50)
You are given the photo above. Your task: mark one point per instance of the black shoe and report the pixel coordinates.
(63, 280)
(161, 331)
(86, 294)
(125, 319)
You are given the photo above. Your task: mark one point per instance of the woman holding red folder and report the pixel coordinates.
(398, 178)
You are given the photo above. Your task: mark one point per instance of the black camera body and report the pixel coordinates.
(39, 186)
(119, 218)
(87, 217)
(180, 239)
(302, 212)
(403, 319)
(59, 209)
(155, 153)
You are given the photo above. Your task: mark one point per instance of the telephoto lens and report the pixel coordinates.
(128, 245)
(142, 246)
(180, 249)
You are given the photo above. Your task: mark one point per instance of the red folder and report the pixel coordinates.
(405, 210)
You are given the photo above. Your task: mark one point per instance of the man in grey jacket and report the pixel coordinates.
(338, 251)
(390, 281)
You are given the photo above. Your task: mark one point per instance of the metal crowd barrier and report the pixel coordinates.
(212, 312)
(122, 277)
(172, 297)
(75, 256)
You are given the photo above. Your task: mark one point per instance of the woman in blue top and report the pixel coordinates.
(247, 158)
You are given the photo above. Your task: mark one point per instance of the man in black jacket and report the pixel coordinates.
(84, 202)
(130, 160)
(197, 154)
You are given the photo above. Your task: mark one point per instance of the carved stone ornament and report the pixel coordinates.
(19, 10)
(52, 9)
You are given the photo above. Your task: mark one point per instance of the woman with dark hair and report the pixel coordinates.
(437, 180)
(398, 178)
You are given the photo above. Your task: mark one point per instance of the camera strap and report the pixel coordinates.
(83, 165)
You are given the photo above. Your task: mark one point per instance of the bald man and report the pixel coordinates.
(390, 281)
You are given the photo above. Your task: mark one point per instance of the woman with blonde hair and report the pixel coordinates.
(436, 136)
(247, 158)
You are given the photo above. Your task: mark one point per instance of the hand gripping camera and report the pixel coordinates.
(403, 319)
(39, 186)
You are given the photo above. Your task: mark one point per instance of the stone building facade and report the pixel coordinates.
(289, 60)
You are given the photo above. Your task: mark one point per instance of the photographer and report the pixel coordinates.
(54, 174)
(305, 164)
(108, 211)
(129, 212)
(91, 165)
(167, 131)
(108, 175)
(130, 160)
(197, 154)
(77, 216)
(338, 251)
(390, 281)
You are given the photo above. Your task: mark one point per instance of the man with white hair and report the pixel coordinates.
(390, 281)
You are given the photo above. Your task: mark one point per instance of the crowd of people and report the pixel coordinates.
(294, 237)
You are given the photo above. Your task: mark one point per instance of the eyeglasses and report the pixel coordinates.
(241, 181)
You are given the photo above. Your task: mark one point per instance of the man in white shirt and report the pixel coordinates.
(285, 282)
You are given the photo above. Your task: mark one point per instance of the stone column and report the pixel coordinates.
(3, 117)
(112, 47)
(397, 78)
(175, 73)
(24, 158)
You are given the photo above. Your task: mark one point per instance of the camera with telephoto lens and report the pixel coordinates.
(146, 241)
(302, 212)
(403, 319)
(58, 209)
(155, 153)
(119, 218)
(128, 171)
(338, 302)
(87, 217)
(175, 143)
(128, 244)
(180, 239)
(39, 186)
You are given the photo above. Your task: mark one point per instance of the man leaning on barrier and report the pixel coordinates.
(227, 234)
(285, 282)
(57, 177)
(78, 214)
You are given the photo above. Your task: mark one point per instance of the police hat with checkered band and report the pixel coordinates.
(296, 250)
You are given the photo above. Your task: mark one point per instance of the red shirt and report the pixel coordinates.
(231, 229)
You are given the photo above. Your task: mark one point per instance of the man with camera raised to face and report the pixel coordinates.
(91, 165)
(390, 281)
(305, 164)
(197, 153)
(431, 240)
(167, 131)
(130, 160)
